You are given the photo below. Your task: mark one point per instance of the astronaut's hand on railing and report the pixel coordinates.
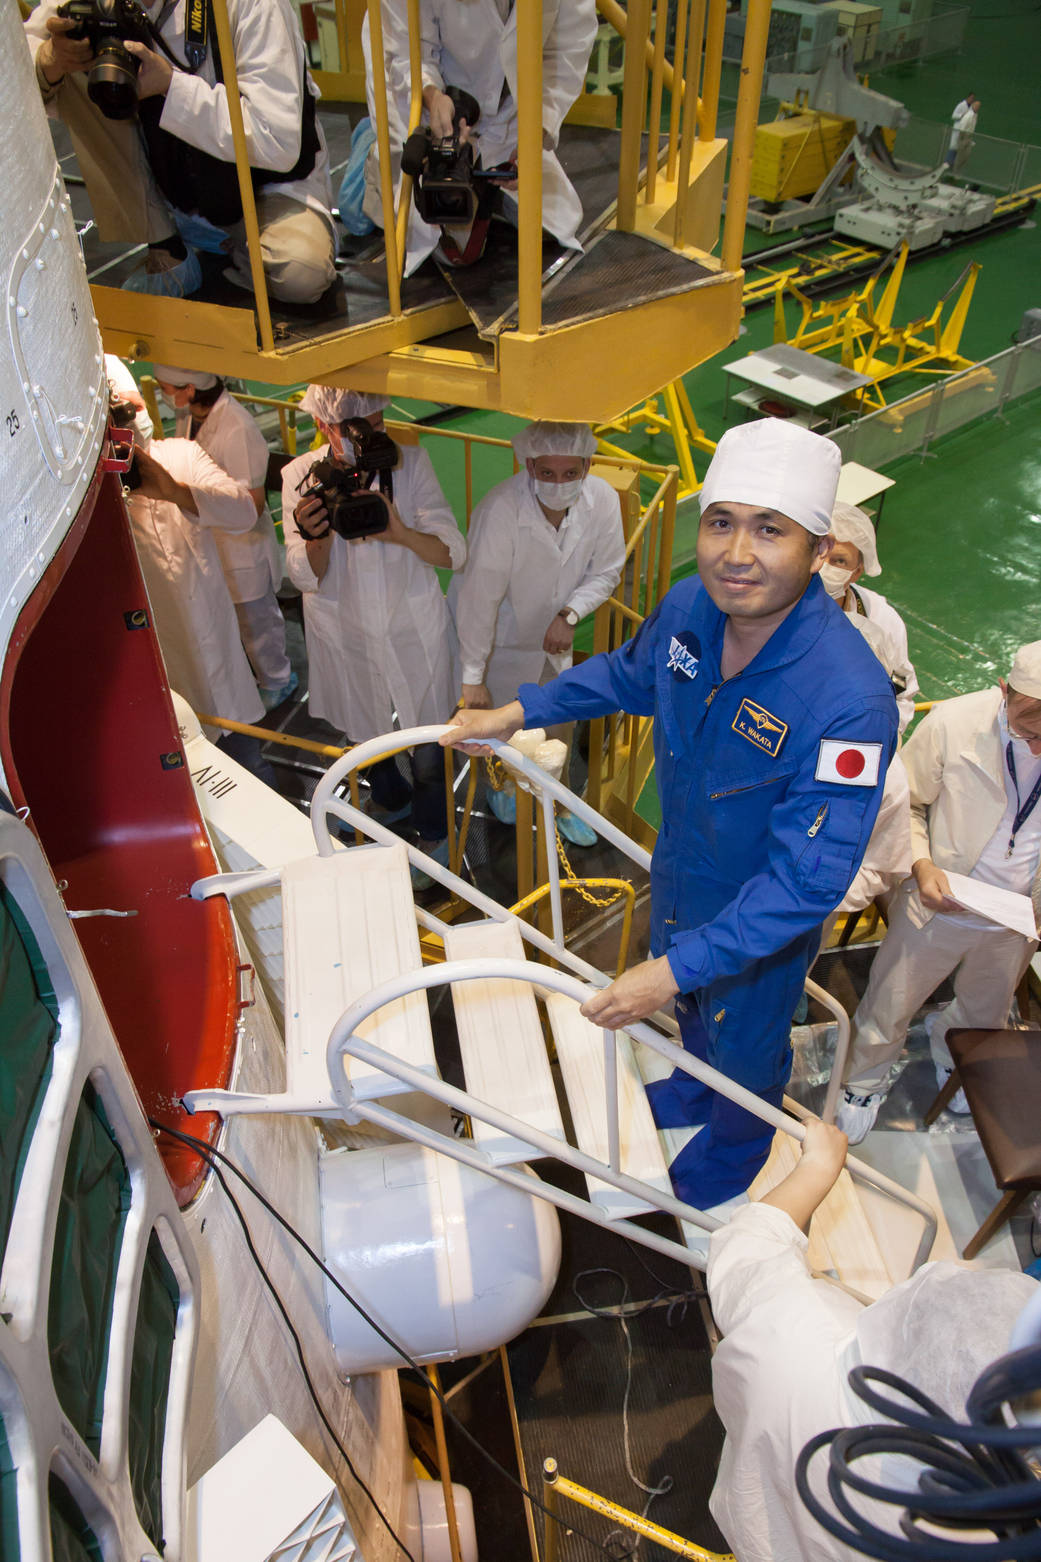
(469, 728)
(633, 995)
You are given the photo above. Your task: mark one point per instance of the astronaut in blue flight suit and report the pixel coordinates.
(774, 726)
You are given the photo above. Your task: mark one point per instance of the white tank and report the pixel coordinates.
(53, 394)
(446, 1259)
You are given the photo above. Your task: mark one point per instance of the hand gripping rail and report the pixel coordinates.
(342, 1039)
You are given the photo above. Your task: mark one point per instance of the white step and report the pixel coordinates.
(349, 924)
(501, 1041)
(580, 1052)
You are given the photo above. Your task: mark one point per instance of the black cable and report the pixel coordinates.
(973, 1476)
(212, 1155)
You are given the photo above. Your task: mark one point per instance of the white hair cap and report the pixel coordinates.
(776, 466)
(1025, 677)
(848, 524)
(181, 377)
(554, 439)
(940, 1328)
(336, 406)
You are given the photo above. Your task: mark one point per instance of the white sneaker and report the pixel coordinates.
(856, 1114)
(958, 1102)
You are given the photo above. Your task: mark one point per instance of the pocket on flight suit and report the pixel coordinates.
(826, 862)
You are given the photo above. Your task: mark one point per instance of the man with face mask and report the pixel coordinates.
(546, 548)
(206, 412)
(854, 553)
(379, 636)
(166, 176)
(774, 724)
(974, 769)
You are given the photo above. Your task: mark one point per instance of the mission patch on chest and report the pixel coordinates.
(760, 727)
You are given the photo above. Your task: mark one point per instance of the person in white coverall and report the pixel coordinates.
(963, 123)
(974, 768)
(546, 548)
(173, 166)
(472, 44)
(182, 501)
(854, 553)
(379, 635)
(205, 411)
(779, 1375)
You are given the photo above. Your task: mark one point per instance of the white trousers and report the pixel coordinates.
(262, 630)
(913, 959)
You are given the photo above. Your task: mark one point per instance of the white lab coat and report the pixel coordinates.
(379, 636)
(521, 572)
(897, 660)
(270, 63)
(466, 43)
(193, 612)
(963, 120)
(779, 1375)
(250, 560)
(775, 1383)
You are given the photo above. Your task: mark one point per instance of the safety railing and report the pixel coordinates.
(569, 975)
(939, 33)
(911, 425)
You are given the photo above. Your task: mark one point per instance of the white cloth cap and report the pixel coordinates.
(939, 1329)
(848, 524)
(777, 466)
(332, 405)
(179, 377)
(1025, 676)
(554, 439)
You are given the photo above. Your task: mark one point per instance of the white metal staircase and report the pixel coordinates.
(358, 1029)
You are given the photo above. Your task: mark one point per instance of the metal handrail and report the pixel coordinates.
(343, 1039)
(547, 790)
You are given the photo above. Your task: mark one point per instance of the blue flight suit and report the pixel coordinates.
(753, 851)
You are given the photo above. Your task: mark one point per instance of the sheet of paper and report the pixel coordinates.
(997, 905)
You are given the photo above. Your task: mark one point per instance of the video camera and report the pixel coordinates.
(443, 169)
(112, 80)
(352, 507)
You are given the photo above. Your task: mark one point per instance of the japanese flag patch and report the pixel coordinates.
(848, 764)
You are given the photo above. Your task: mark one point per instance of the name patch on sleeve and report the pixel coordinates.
(848, 764)
(760, 727)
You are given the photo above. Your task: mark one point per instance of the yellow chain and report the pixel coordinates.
(498, 776)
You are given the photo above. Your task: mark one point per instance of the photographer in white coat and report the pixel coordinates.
(173, 163)
(546, 548)
(379, 635)
(472, 44)
(181, 501)
(206, 412)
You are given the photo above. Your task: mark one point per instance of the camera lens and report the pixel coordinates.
(112, 82)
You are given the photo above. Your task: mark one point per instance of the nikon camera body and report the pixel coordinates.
(112, 80)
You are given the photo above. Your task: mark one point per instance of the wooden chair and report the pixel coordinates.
(1000, 1072)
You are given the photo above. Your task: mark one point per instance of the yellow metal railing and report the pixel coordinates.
(555, 1486)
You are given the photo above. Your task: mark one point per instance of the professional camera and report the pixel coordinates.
(443, 170)
(352, 507)
(112, 80)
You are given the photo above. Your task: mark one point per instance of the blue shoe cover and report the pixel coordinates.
(180, 281)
